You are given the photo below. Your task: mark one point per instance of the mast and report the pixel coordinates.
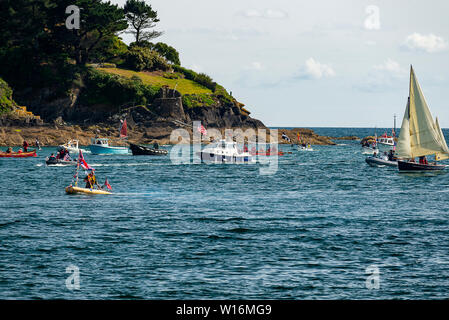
(394, 127)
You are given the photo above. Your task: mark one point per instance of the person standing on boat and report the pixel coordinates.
(90, 180)
(423, 160)
(25, 146)
(38, 145)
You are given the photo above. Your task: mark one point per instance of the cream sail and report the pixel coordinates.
(420, 135)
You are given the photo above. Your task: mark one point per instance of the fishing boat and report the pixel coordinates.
(72, 147)
(386, 142)
(420, 135)
(101, 145)
(139, 150)
(18, 154)
(224, 152)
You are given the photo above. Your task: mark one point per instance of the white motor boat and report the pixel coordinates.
(72, 147)
(385, 143)
(304, 147)
(370, 150)
(224, 152)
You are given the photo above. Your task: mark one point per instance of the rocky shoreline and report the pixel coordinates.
(53, 135)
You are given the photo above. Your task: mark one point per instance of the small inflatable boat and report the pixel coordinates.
(78, 190)
(380, 162)
(59, 162)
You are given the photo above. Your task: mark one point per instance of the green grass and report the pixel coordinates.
(184, 86)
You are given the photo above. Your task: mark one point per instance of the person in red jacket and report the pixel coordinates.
(25, 146)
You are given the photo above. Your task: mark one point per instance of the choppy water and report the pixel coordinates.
(225, 231)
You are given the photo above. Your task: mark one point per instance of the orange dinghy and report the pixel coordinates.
(31, 153)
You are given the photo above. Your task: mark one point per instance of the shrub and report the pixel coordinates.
(6, 102)
(188, 74)
(105, 88)
(139, 59)
(197, 100)
(206, 81)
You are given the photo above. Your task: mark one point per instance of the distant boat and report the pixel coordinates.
(224, 152)
(420, 136)
(386, 142)
(101, 145)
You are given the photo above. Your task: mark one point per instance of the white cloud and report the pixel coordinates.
(256, 65)
(390, 66)
(429, 43)
(316, 70)
(370, 43)
(267, 14)
(383, 77)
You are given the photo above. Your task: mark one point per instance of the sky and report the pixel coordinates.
(321, 63)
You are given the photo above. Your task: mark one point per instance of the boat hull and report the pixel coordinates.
(377, 162)
(98, 149)
(28, 154)
(366, 150)
(58, 162)
(406, 166)
(385, 147)
(139, 150)
(78, 190)
(209, 157)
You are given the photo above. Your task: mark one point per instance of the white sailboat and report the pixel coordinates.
(420, 135)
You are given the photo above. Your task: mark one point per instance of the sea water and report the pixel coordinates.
(316, 229)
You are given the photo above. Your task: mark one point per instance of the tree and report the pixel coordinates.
(99, 22)
(141, 17)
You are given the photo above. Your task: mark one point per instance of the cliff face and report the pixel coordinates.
(166, 109)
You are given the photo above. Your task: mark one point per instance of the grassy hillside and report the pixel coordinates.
(159, 79)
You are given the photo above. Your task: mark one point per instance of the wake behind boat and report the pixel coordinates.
(420, 136)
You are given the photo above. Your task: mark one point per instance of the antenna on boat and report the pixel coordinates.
(394, 128)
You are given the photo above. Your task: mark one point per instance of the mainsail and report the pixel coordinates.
(420, 135)
(124, 130)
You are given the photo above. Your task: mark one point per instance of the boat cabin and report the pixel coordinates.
(386, 140)
(100, 141)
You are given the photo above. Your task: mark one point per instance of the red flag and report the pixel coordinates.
(83, 162)
(107, 185)
(123, 130)
(202, 129)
